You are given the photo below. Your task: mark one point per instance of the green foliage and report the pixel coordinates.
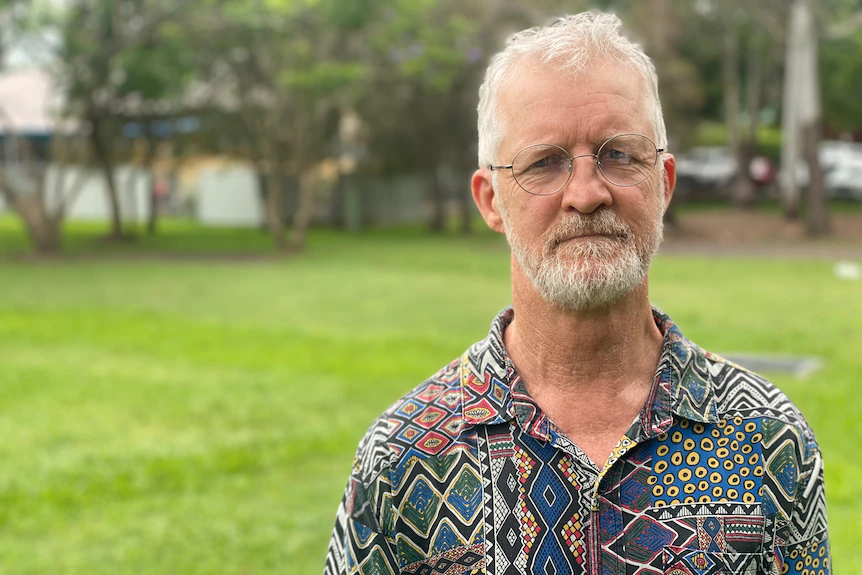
(715, 134)
(324, 77)
(350, 16)
(841, 82)
(111, 51)
(157, 70)
(170, 416)
(427, 41)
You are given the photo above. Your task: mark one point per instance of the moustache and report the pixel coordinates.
(603, 222)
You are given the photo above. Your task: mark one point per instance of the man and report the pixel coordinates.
(584, 434)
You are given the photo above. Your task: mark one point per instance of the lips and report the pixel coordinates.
(590, 235)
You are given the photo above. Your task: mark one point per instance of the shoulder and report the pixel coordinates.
(427, 418)
(741, 393)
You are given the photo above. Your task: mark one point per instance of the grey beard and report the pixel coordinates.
(599, 271)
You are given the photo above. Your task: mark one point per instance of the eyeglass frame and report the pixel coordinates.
(572, 159)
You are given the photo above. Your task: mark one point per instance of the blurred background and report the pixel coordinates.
(232, 232)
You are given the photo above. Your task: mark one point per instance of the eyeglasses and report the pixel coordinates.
(545, 169)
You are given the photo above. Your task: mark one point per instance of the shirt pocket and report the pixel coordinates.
(685, 561)
(734, 534)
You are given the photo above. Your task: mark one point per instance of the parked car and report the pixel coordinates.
(711, 170)
(835, 153)
(840, 163)
(706, 168)
(844, 181)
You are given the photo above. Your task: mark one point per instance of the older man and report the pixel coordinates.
(584, 434)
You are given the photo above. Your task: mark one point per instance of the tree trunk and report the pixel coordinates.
(794, 81)
(305, 210)
(152, 217)
(275, 205)
(153, 199)
(817, 216)
(43, 230)
(745, 191)
(103, 157)
(810, 114)
(730, 82)
(657, 14)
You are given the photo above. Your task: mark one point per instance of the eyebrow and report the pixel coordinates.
(603, 137)
(606, 135)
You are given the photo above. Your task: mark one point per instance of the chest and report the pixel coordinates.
(526, 505)
(589, 423)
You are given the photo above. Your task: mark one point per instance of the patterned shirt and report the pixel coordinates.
(719, 474)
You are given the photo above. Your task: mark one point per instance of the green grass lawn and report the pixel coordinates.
(165, 416)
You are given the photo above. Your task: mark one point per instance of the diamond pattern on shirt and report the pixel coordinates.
(466, 474)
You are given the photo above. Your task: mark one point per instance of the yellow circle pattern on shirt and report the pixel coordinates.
(706, 463)
(812, 559)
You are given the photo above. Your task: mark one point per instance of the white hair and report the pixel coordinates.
(570, 43)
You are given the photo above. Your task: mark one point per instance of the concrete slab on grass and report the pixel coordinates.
(798, 366)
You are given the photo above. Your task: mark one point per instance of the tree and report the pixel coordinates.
(42, 198)
(805, 116)
(157, 74)
(39, 195)
(841, 70)
(661, 23)
(429, 58)
(99, 37)
(421, 58)
(285, 68)
(743, 26)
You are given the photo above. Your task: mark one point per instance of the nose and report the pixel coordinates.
(586, 189)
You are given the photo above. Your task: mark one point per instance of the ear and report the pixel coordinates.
(486, 199)
(669, 177)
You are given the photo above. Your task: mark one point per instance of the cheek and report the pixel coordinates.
(534, 213)
(643, 211)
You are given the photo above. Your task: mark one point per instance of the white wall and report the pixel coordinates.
(92, 203)
(230, 197)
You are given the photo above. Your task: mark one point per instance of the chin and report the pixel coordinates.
(599, 248)
(590, 282)
(596, 263)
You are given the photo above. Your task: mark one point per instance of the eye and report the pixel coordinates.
(547, 162)
(616, 156)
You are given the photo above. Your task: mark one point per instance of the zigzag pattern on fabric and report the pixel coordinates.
(744, 393)
(465, 473)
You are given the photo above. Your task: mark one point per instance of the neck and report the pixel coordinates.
(604, 352)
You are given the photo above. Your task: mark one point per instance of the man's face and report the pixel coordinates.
(592, 242)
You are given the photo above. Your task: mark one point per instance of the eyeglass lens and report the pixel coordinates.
(544, 169)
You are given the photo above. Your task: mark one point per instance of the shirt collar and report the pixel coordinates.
(492, 392)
